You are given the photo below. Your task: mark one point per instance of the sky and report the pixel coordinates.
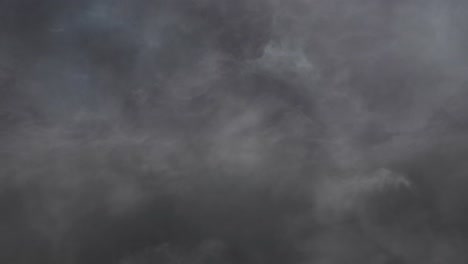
(233, 132)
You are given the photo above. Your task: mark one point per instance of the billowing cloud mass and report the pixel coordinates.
(233, 132)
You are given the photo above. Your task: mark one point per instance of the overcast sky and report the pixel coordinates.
(233, 132)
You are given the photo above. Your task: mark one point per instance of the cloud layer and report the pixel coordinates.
(216, 131)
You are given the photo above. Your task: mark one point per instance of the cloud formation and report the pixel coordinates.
(216, 131)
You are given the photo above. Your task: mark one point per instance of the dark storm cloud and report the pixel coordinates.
(216, 131)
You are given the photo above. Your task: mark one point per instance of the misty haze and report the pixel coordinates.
(233, 132)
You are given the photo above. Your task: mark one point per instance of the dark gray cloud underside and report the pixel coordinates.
(236, 132)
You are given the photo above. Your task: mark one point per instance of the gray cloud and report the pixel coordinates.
(216, 131)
